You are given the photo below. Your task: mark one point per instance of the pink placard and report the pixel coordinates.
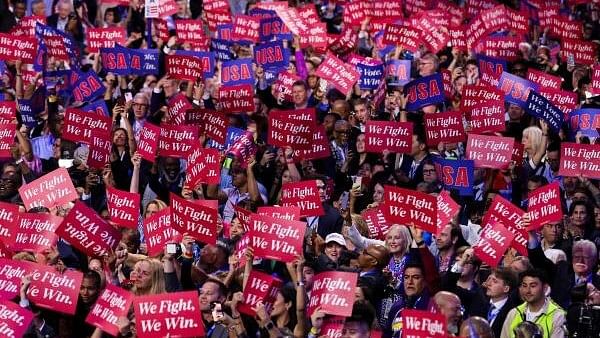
(407, 37)
(8, 112)
(84, 229)
(564, 100)
(579, 159)
(9, 216)
(54, 188)
(447, 209)
(284, 83)
(492, 244)
(511, 217)
(80, 126)
(305, 195)
(100, 149)
(290, 213)
(11, 272)
(15, 319)
(333, 292)
(489, 151)
(184, 67)
(487, 117)
(444, 127)
(472, 95)
(158, 231)
(420, 323)
(392, 136)
(178, 106)
(236, 99)
(199, 221)
(583, 51)
(35, 232)
(54, 290)
(13, 48)
(7, 139)
(506, 48)
(113, 303)
(596, 80)
(409, 207)
(105, 38)
(287, 130)
(320, 146)
(246, 28)
(177, 141)
(190, 31)
(174, 314)
(543, 79)
(148, 142)
(203, 166)
(123, 207)
(544, 205)
(260, 287)
(342, 76)
(376, 223)
(276, 238)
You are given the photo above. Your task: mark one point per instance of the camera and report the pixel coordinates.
(174, 249)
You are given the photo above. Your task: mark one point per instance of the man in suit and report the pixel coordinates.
(410, 168)
(500, 289)
(66, 20)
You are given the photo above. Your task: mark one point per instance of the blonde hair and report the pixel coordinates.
(157, 280)
(535, 138)
(404, 233)
(159, 203)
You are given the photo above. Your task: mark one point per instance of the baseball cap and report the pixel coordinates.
(335, 237)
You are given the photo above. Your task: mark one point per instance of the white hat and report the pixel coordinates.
(337, 238)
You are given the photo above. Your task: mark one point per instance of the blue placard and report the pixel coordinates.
(224, 31)
(221, 49)
(455, 174)
(398, 72)
(144, 61)
(87, 87)
(232, 135)
(207, 60)
(271, 74)
(516, 89)
(370, 76)
(42, 31)
(272, 55)
(27, 115)
(263, 13)
(273, 28)
(586, 121)
(236, 72)
(426, 91)
(97, 107)
(538, 106)
(116, 60)
(491, 65)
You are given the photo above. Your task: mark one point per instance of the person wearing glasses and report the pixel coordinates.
(140, 112)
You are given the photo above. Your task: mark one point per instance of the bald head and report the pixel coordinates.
(450, 306)
(478, 325)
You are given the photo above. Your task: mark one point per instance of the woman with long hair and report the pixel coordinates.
(535, 141)
(148, 277)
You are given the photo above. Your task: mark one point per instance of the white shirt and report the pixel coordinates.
(497, 307)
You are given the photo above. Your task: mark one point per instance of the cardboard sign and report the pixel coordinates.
(487, 117)
(419, 323)
(273, 28)
(595, 80)
(284, 83)
(100, 149)
(398, 71)
(333, 326)
(455, 174)
(168, 314)
(199, 221)
(489, 151)
(105, 38)
(15, 320)
(564, 100)
(13, 48)
(376, 222)
(53, 290)
(272, 55)
(579, 159)
(447, 209)
(333, 292)
(518, 21)
(9, 216)
(148, 141)
(424, 91)
(339, 74)
(207, 61)
(276, 238)
(540, 107)
(320, 146)
(11, 273)
(203, 166)
(35, 232)
(99, 107)
(79, 126)
(543, 79)
(113, 303)
(516, 90)
(158, 231)
(54, 188)
(26, 26)
(237, 72)
(178, 105)
(305, 195)
(184, 67)
(189, 31)
(408, 207)
(472, 95)
(502, 47)
(544, 205)
(7, 139)
(236, 99)
(8, 112)
(243, 147)
(123, 207)
(88, 87)
(493, 243)
(290, 129)
(245, 28)
(490, 69)
(444, 127)
(564, 28)
(177, 141)
(407, 37)
(85, 230)
(290, 213)
(370, 75)
(259, 288)
(392, 136)
(586, 121)
(511, 217)
(584, 52)
(215, 125)
(144, 61)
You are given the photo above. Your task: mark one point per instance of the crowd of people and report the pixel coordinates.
(550, 292)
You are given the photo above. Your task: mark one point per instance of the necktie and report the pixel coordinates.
(492, 313)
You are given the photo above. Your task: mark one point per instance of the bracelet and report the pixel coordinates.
(299, 283)
(314, 331)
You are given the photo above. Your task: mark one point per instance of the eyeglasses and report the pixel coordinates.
(428, 171)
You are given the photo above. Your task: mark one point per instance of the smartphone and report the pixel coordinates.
(128, 96)
(65, 163)
(217, 311)
(174, 249)
(356, 182)
(344, 200)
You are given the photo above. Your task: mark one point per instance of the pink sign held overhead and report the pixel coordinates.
(342, 76)
(511, 217)
(53, 290)
(333, 292)
(411, 207)
(158, 231)
(113, 303)
(544, 205)
(489, 151)
(260, 287)
(391, 136)
(54, 188)
(15, 319)
(493, 242)
(276, 238)
(199, 221)
(304, 194)
(579, 159)
(123, 207)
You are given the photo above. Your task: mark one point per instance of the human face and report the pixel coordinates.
(119, 138)
(341, 132)
(414, 282)
(279, 306)
(309, 274)
(426, 67)
(88, 291)
(360, 143)
(64, 9)
(444, 240)
(459, 84)
(236, 228)
(322, 190)
(171, 167)
(532, 186)
(39, 9)
(208, 293)
(151, 209)
(451, 309)
(140, 107)
(299, 95)
(526, 142)
(597, 217)
(286, 177)
(19, 10)
(394, 241)
(362, 113)
(583, 262)
(142, 275)
(495, 287)
(429, 174)
(329, 123)
(359, 294)
(378, 192)
(109, 17)
(8, 185)
(550, 232)
(515, 113)
(553, 159)
(579, 216)
(531, 290)
(355, 330)
(333, 251)
(238, 177)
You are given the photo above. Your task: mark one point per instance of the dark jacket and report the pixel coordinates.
(329, 222)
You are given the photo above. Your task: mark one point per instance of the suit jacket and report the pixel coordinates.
(511, 303)
(52, 21)
(330, 222)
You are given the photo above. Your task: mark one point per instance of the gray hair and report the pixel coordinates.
(586, 246)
